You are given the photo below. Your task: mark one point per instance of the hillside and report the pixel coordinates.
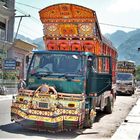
(128, 50)
(38, 41)
(22, 37)
(127, 44)
(117, 37)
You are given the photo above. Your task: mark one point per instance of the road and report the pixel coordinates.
(103, 127)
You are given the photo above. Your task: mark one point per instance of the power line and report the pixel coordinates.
(32, 17)
(119, 26)
(26, 27)
(107, 24)
(21, 11)
(36, 20)
(28, 5)
(26, 33)
(20, 23)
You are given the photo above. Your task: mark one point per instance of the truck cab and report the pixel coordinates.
(125, 83)
(68, 72)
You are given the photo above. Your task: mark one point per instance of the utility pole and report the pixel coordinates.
(22, 16)
(19, 23)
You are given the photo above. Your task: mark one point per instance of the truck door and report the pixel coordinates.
(99, 76)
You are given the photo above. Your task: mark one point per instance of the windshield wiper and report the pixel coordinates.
(42, 74)
(67, 76)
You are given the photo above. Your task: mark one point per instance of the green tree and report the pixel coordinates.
(138, 73)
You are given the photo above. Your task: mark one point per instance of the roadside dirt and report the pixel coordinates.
(106, 125)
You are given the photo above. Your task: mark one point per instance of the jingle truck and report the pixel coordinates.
(72, 78)
(126, 77)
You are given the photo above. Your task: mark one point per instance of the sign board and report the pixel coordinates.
(9, 64)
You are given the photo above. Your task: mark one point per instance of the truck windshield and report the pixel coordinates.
(124, 76)
(56, 63)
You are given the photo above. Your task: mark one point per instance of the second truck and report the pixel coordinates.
(74, 77)
(126, 81)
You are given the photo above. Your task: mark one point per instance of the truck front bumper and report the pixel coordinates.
(42, 120)
(125, 89)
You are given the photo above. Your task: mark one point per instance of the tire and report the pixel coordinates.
(88, 120)
(110, 104)
(117, 93)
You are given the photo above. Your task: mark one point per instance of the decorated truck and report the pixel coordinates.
(73, 78)
(126, 77)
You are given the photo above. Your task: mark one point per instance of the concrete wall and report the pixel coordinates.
(11, 6)
(7, 17)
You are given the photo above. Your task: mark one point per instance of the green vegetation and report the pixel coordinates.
(8, 75)
(138, 73)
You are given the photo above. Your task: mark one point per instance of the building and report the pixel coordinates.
(11, 49)
(20, 52)
(7, 14)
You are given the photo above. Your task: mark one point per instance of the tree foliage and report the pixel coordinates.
(138, 73)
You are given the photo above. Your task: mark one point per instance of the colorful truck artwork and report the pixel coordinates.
(72, 78)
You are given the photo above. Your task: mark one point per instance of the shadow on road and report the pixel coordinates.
(17, 129)
(99, 115)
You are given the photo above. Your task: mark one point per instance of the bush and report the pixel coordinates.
(138, 73)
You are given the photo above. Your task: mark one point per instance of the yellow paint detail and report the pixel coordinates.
(71, 118)
(54, 79)
(76, 80)
(19, 112)
(22, 106)
(43, 118)
(59, 79)
(46, 119)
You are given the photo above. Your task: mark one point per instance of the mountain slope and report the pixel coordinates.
(117, 37)
(128, 50)
(120, 37)
(22, 37)
(38, 41)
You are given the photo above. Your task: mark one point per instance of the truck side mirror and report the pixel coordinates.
(27, 59)
(89, 63)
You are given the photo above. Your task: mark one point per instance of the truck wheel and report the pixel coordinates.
(87, 122)
(89, 119)
(110, 104)
(133, 91)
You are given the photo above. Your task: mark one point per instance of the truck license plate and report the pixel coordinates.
(43, 105)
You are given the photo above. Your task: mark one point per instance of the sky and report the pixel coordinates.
(115, 12)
